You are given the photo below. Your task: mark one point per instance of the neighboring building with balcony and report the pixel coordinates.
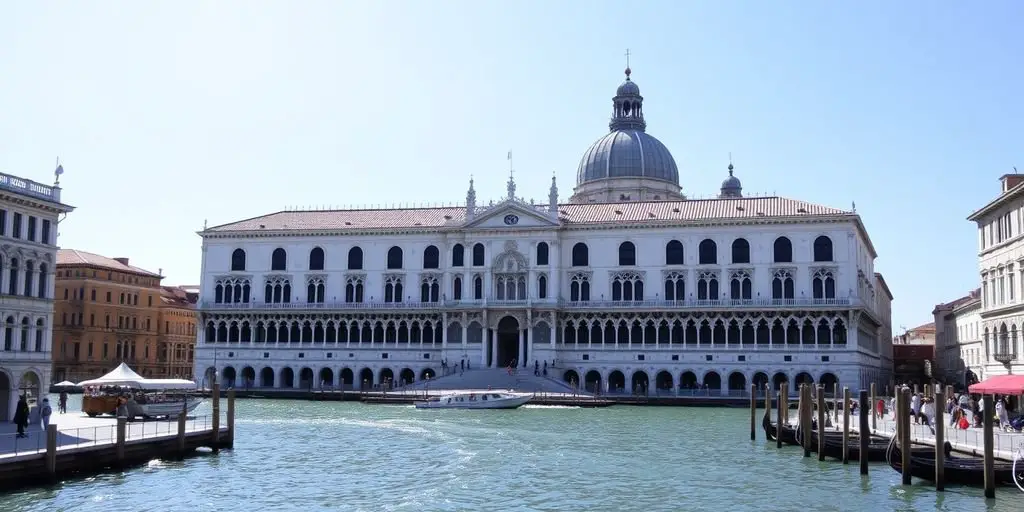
(29, 215)
(629, 285)
(177, 341)
(958, 345)
(1001, 264)
(107, 312)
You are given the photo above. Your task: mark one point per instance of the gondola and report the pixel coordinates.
(834, 446)
(958, 470)
(788, 432)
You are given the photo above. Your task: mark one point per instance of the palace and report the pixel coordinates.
(629, 285)
(29, 215)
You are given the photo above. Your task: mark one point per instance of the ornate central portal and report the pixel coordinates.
(508, 342)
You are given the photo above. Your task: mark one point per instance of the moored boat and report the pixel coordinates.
(956, 469)
(146, 398)
(476, 400)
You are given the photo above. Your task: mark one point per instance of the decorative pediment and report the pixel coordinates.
(510, 214)
(510, 260)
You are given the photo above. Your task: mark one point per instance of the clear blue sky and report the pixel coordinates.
(168, 113)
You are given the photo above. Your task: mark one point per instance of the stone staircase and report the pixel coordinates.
(524, 381)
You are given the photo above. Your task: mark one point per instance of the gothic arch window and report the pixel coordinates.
(458, 255)
(675, 286)
(29, 272)
(542, 253)
(42, 282)
(478, 288)
(579, 288)
(278, 259)
(431, 257)
(9, 334)
(39, 335)
(12, 285)
(277, 291)
(393, 288)
(824, 285)
(707, 252)
(627, 254)
(316, 259)
(707, 286)
(315, 290)
(627, 286)
(674, 253)
(580, 255)
(457, 288)
(429, 290)
(354, 289)
(355, 258)
(478, 255)
(740, 285)
(740, 251)
(238, 260)
(394, 258)
(782, 285)
(782, 250)
(823, 248)
(542, 287)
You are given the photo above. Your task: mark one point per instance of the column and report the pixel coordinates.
(529, 345)
(444, 333)
(554, 322)
(494, 348)
(522, 348)
(488, 338)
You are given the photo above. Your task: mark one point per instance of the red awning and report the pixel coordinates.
(1000, 385)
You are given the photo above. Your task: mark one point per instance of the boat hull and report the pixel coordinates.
(505, 403)
(161, 409)
(956, 470)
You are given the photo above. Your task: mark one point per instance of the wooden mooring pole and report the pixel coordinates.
(779, 416)
(753, 412)
(231, 418)
(865, 430)
(822, 415)
(846, 425)
(51, 450)
(805, 418)
(905, 439)
(215, 419)
(122, 426)
(940, 440)
(988, 409)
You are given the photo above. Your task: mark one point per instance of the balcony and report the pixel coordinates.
(1004, 357)
(29, 188)
(560, 303)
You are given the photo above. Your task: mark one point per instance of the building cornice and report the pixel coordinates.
(993, 205)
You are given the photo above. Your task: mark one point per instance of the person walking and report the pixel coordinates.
(44, 413)
(21, 413)
(62, 405)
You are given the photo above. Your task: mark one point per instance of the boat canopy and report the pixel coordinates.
(125, 376)
(1000, 385)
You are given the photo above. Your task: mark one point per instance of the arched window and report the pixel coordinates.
(12, 284)
(478, 255)
(316, 259)
(458, 255)
(823, 248)
(707, 252)
(431, 257)
(394, 258)
(457, 288)
(355, 258)
(627, 254)
(29, 273)
(278, 259)
(542, 287)
(783, 250)
(580, 255)
(542, 253)
(478, 288)
(740, 251)
(674, 253)
(42, 282)
(238, 260)
(39, 335)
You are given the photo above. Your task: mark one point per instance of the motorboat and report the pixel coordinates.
(142, 397)
(476, 400)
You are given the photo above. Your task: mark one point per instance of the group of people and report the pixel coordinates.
(23, 413)
(963, 410)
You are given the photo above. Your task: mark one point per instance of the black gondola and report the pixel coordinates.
(958, 470)
(834, 445)
(788, 432)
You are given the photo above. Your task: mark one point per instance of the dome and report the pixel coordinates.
(731, 187)
(627, 154)
(628, 88)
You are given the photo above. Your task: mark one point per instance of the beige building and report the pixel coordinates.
(959, 351)
(883, 304)
(1000, 263)
(176, 343)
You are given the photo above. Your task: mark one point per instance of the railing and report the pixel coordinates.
(561, 303)
(29, 187)
(67, 438)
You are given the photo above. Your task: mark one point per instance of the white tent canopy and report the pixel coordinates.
(65, 384)
(125, 376)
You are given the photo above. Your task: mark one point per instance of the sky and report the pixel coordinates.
(170, 114)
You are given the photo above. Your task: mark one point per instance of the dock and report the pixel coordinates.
(970, 441)
(75, 444)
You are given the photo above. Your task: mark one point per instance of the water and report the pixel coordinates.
(308, 456)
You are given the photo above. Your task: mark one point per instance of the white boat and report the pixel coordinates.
(153, 405)
(476, 400)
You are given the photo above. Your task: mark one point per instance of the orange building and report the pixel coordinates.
(108, 311)
(177, 339)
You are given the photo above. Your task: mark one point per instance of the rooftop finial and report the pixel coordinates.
(57, 172)
(628, 71)
(511, 178)
(730, 163)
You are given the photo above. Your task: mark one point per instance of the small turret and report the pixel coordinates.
(553, 197)
(470, 200)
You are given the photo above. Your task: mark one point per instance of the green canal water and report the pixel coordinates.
(310, 456)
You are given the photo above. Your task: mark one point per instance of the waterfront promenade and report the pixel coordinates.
(1007, 444)
(76, 430)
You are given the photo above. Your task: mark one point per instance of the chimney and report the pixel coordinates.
(1011, 180)
(123, 261)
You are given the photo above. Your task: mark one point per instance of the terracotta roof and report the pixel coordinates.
(972, 296)
(176, 296)
(921, 329)
(591, 213)
(76, 257)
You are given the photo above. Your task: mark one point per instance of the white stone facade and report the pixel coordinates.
(958, 340)
(1001, 265)
(609, 300)
(29, 215)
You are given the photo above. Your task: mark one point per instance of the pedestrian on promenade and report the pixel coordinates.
(21, 413)
(62, 405)
(44, 413)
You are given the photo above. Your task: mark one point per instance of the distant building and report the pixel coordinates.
(913, 354)
(109, 311)
(29, 215)
(1001, 265)
(883, 305)
(959, 351)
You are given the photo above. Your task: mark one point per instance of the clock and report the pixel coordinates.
(511, 220)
